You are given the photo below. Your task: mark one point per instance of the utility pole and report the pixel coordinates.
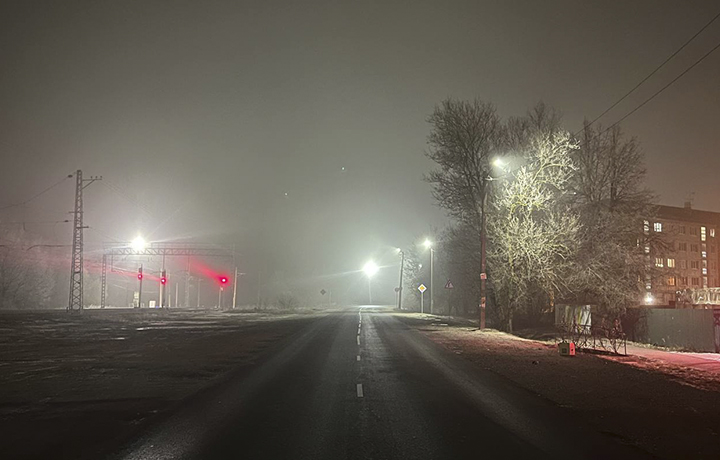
(187, 284)
(432, 283)
(163, 280)
(176, 293)
(76, 266)
(369, 290)
(235, 289)
(103, 281)
(483, 274)
(400, 286)
(140, 279)
(198, 291)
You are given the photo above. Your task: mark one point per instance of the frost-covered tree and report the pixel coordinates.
(533, 231)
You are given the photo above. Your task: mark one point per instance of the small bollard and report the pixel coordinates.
(566, 348)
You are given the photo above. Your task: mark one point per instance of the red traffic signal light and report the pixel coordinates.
(140, 275)
(223, 280)
(163, 280)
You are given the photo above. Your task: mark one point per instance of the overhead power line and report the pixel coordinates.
(702, 58)
(38, 194)
(654, 71)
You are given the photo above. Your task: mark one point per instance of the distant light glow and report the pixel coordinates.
(371, 269)
(499, 162)
(428, 244)
(223, 280)
(163, 280)
(649, 299)
(138, 244)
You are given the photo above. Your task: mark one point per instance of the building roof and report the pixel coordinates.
(688, 214)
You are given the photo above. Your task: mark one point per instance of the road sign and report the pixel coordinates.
(422, 288)
(323, 292)
(397, 289)
(449, 285)
(483, 276)
(482, 302)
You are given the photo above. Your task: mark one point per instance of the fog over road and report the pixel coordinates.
(361, 384)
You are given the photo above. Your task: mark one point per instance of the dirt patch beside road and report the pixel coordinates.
(637, 405)
(70, 383)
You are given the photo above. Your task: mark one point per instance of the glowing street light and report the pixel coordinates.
(138, 244)
(499, 162)
(370, 269)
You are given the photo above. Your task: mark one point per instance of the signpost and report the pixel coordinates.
(422, 290)
(449, 285)
(323, 292)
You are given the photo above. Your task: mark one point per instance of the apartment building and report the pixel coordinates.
(692, 256)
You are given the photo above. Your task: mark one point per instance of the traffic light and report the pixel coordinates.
(163, 278)
(140, 275)
(223, 280)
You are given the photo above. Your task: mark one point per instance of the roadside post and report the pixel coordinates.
(422, 290)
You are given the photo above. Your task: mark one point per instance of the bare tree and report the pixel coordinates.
(613, 263)
(26, 277)
(465, 136)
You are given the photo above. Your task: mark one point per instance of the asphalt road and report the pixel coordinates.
(362, 385)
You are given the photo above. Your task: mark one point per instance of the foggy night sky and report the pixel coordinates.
(207, 113)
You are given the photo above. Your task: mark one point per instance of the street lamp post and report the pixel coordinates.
(483, 274)
(498, 163)
(428, 244)
(400, 284)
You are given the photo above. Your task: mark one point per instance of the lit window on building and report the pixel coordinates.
(646, 227)
(704, 270)
(671, 263)
(647, 249)
(704, 254)
(712, 233)
(671, 281)
(659, 262)
(703, 233)
(657, 226)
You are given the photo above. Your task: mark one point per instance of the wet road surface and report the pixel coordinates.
(360, 384)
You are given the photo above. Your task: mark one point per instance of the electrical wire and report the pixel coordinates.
(657, 93)
(38, 194)
(653, 72)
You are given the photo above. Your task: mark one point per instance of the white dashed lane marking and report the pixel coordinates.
(359, 390)
(358, 357)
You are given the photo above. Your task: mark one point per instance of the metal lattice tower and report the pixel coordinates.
(76, 266)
